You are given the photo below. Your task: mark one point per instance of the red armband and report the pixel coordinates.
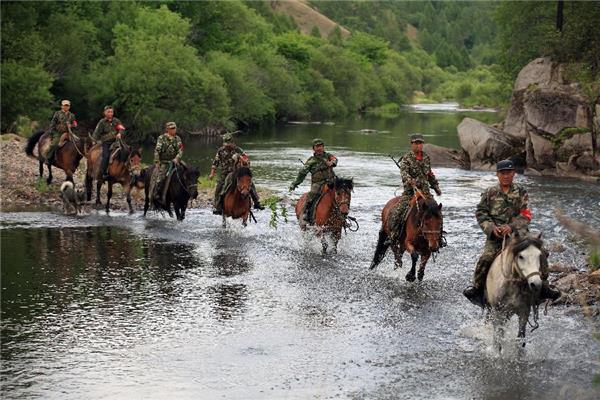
(74, 124)
(120, 127)
(430, 173)
(180, 146)
(526, 213)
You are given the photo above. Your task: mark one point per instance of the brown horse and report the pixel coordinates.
(67, 156)
(331, 211)
(236, 202)
(421, 236)
(119, 171)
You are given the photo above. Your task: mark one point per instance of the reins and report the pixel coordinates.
(349, 223)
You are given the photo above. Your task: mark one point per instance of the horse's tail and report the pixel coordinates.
(380, 250)
(32, 141)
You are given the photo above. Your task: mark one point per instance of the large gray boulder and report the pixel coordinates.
(445, 157)
(485, 145)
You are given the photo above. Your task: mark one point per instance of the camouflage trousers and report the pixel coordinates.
(490, 251)
(309, 204)
(398, 216)
(54, 140)
(157, 180)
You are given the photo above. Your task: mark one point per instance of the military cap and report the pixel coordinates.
(171, 125)
(65, 103)
(318, 142)
(228, 137)
(416, 137)
(505, 165)
(107, 108)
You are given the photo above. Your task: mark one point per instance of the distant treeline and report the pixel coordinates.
(226, 64)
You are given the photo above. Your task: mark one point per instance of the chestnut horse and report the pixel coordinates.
(236, 202)
(66, 157)
(331, 211)
(119, 171)
(421, 236)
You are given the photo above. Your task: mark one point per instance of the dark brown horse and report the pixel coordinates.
(119, 171)
(236, 202)
(331, 211)
(67, 157)
(421, 236)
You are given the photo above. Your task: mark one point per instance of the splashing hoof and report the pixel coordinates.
(410, 277)
(420, 276)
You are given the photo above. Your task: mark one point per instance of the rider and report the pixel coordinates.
(168, 151)
(320, 165)
(61, 121)
(225, 160)
(503, 209)
(416, 174)
(108, 130)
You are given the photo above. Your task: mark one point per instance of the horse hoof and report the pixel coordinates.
(420, 277)
(410, 277)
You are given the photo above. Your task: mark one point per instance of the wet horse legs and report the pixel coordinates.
(414, 256)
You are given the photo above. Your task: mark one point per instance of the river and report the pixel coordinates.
(119, 306)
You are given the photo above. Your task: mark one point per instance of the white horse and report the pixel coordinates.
(513, 284)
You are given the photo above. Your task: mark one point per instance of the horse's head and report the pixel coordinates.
(431, 223)
(343, 194)
(190, 176)
(243, 178)
(527, 253)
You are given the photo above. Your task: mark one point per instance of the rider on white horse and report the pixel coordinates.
(503, 209)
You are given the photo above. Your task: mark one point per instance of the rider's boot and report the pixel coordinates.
(394, 236)
(256, 201)
(218, 208)
(549, 292)
(50, 157)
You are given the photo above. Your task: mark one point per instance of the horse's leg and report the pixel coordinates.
(424, 258)
(224, 225)
(337, 235)
(88, 187)
(128, 197)
(523, 318)
(49, 180)
(177, 212)
(98, 188)
(41, 168)
(498, 321)
(398, 251)
(108, 196)
(146, 199)
(183, 211)
(414, 256)
(168, 208)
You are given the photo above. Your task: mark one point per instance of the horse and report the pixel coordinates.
(331, 210)
(422, 234)
(119, 171)
(513, 284)
(236, 202)
(67, 156)
(183, 186)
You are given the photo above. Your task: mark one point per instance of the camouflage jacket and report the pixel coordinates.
(224, 159)
(498, 208)
(58, 124)
(167, 148)
(319, 171)
(106, 130)
(420, 170)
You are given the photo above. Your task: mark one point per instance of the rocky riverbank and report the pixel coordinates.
(22, 190)
(550, 129)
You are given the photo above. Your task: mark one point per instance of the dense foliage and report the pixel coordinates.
(225, 64)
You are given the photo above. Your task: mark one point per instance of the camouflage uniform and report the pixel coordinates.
(167, 149)
(497, 208)
(320, 174)
(224, 161)
(106, 132)
(58, 125)
(419, 169)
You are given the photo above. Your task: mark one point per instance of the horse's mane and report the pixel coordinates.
(344, 183)
(126, 152)
(431, 208)
(521, 243)
(242, 171)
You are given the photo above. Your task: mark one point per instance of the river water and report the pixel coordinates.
(119, 306)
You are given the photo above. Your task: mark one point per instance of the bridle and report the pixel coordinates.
(349, 222)
(189, 187)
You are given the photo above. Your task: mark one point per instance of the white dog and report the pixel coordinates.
(71, 197)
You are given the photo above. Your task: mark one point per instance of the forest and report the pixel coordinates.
(234, 64)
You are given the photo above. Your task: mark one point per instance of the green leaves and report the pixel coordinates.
(278, 210)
